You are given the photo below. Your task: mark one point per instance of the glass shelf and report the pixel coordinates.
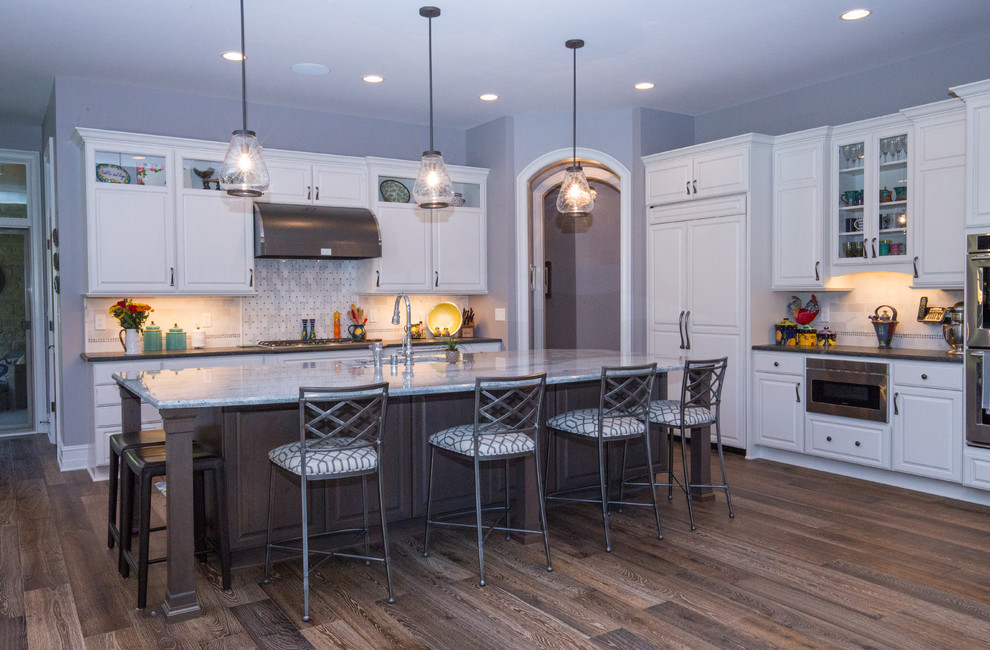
(129, 169)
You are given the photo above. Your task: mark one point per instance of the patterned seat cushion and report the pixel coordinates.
(668, 413)
(584, 422)
(326, 459)
(460, 440)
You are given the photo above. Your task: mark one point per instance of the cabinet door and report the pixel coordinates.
(341, 185)
(291, 182)
(978, 161)
(406, 261)
(669, 181)
(460, 264)
(132, 242)
(715, 274)
(720, 172)
(216, 244)
(798, 216)
(928, 433)
(778, 417)
(667, 265)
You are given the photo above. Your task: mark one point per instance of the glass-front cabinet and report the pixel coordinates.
(870, 211)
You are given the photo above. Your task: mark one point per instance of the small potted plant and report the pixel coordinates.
(451, 350)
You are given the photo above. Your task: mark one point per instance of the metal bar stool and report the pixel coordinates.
(699, 406)
(119, 443)
(506, 426)
(145, 463)
(340, 435)
(621, 416)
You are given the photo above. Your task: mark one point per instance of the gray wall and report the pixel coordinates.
(882, 91)
(85, 103)
(23, 137)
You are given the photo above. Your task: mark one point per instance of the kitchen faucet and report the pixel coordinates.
(407, 339)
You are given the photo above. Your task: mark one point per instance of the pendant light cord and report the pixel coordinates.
(244, 71)
(574, 106)
(431, 81)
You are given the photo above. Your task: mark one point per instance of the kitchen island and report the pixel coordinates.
(244, 411)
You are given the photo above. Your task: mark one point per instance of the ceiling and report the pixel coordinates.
(702, 55)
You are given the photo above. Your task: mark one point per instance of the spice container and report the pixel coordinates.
(175, 338)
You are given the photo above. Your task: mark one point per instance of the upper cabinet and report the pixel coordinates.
(939, 194)
(977, 99)
(151, 226)
(427, 251)
(870, 217)
(713, 169)
(316, 179)
(800, 175)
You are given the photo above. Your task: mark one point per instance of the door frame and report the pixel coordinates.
(524, 240)
(52, 306)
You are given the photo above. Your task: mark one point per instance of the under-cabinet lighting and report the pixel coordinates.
(855, 14)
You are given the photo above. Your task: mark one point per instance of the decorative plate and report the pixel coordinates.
(446, 315)
(394, 191)
(107, 173)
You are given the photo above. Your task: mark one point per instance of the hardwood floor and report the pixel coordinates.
(810, 560)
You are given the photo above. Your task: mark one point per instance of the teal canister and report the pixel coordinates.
(175, 338)
(152, 338)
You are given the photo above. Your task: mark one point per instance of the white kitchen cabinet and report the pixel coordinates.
(939, 194)
(800, 176)
(927, 419)
(428, 251)
(316, 179)
(977, 99)
(854, 441)
(778, 412)
(152, 228)
(696, 294)
(869, 221)
(717, 168)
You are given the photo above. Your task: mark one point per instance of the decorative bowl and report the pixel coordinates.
(445, 316)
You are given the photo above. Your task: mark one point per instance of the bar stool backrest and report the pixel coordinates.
(701, 385)
(507, 404)
(342, 418)
(626, 391)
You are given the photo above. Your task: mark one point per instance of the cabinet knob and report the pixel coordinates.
(858, 443)
(776, 364)
(924, 376)
(828, 438)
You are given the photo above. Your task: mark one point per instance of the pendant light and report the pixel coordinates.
(244, 172)
(575, 198)
(433, 187)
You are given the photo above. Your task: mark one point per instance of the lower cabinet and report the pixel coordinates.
(927, 420)
(778, 410)
(854, 441)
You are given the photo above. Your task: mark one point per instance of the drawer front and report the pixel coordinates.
(108, 395)
(103, 372)
(928, 375)
(976, 468)
(784, 362)
(854, 443)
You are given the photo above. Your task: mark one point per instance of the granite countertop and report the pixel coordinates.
(899, 354)
(256, 349)
(276, 384)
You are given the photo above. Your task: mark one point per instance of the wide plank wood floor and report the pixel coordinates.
(811, 560)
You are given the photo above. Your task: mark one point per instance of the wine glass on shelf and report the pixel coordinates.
(898, 144)
(884, 147)
(857, 154)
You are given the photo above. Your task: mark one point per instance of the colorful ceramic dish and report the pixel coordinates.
(394, 191)
(107, 173)
(446, 316)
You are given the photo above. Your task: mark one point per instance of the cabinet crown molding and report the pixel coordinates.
(753, 139)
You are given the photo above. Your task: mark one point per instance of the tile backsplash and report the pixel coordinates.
(287, 292)
(848, 313)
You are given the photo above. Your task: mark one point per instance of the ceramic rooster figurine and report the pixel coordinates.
(807, 313)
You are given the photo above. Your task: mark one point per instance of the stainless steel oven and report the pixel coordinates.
(977, 339)
(851, 389)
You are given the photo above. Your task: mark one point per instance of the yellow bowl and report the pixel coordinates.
(444, 315)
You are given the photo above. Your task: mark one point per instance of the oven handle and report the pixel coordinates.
(981, 379)
(980, 256)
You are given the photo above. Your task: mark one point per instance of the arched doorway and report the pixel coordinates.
(588, 278)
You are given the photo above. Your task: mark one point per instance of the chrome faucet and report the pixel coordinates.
(407, 339)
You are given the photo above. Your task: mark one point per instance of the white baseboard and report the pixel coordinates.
(72, 457)
(101, 473)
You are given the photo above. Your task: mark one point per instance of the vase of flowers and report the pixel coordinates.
(131, 316)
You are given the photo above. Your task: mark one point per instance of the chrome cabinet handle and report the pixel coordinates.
(866, 249)
(171, 276)
(317, 197)
(896, 412)
(309, 192)
(680, 327)
(436, 281)
(688, 187)
(687, 332)
(873, 245)
(695, 183)
(797, 392)
(915, 266)
(251, 278)
(378, 278)
(817, 276)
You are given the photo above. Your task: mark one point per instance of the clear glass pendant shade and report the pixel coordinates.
(575, 197)
(433, 188)
(244, 172)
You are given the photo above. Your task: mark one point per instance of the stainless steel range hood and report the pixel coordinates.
(315, 232)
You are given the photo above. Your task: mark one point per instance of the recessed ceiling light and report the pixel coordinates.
(232, 56)
(488, 97)
(310, 69)
(855, 14)
(644, 85)
(373, 78)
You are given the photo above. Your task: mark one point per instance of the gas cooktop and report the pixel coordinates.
(310, 343)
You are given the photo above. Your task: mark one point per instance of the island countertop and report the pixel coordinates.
(253, 385)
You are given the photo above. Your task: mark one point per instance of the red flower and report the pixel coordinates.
(131, 308)
(122, 303)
